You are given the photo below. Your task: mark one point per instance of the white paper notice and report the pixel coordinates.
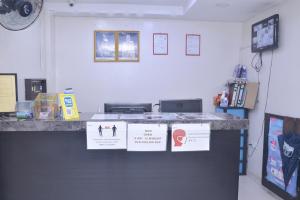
(160, 44)
(193, 45)
(147, 137)
(190, 137)
(106, 135)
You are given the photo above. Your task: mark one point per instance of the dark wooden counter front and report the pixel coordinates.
(55, 165)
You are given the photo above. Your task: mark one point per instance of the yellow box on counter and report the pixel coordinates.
(69, 106)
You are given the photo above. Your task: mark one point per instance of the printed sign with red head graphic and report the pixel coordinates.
(190, 137)
(179, 137)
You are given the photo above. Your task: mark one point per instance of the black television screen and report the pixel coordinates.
(265, 34)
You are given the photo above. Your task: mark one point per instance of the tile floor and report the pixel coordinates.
(252, 189)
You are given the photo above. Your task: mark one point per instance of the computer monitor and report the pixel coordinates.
(8, 93)
(179, 106)
(128, 108)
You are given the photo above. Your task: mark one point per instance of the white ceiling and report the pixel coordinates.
(205, 10)
(229, 10)
(139, 2)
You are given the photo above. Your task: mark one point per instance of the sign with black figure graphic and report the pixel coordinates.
(106, 135)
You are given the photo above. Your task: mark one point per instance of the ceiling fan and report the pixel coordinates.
(17, 15)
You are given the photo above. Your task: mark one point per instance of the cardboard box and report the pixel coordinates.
(251, 95)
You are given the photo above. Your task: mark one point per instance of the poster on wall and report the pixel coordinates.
(128, 46)
(147, 137)
(192, 47)
(106, 135)
(190, 137)
(281, 140)
(105, 49)
(8, 92)
(160, 44)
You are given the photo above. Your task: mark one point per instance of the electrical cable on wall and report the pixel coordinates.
(257, 62)
(266, 103)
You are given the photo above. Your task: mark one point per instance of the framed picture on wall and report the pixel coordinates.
(160, 44)
(192, 45)
(128, 46)
(105, 46)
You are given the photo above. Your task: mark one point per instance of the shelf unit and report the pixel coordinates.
(243, 114)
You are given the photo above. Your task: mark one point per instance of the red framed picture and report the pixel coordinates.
(192, 45)
(160, 43)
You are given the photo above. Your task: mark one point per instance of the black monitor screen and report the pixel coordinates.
(265, 34)
(187, 105)
(127, 108)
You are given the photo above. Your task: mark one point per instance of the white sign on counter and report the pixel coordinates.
(147, 137)
(190, 137)
(106, 135)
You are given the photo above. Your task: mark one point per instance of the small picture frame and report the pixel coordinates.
(160, 43)
(192, 47)
(128, 46)
(105, 46)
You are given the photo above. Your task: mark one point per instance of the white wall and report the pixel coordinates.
(154, 77)
(284, 86)
(20, 52)
(70, 39)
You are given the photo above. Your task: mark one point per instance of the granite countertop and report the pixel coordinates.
(218, 121)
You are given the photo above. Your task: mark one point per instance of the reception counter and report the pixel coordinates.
(218, 121)
(48, 160)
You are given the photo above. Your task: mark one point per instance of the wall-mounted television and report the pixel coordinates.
(265, 34)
